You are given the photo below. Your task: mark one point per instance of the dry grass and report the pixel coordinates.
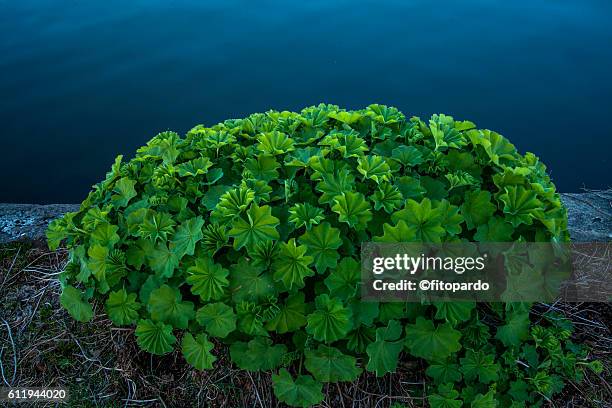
(102, 366)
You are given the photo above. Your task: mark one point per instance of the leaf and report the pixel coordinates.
(250, 282)
(364, 313)
(207, 279)
(434, 188)
(263, 167)
(154, 337)
(257, 354)
(330, 321)
(433, 343)
(328, 364)
(477, 208)
(301, 157)
(291, 315)
(384, 114)
(400, 233)
(275, 143)
(421, 219)
(214, 237)
(166, 305)
(260, 226)
(218, 319)
(409, 156)
(156, 226)
(447, 397)
(122, 307)
(374, 168)
(342, 281)
(124, 191)
(333, 185)
(322, 243)
(187, 235)
(351, 145)
(451, 218)
(387, 197)
(477, 364)
(232, 203)
(360, 338)
(444, 372)
(485, 401)
(197, 351)
(71, 299)
(56, 232)
(410, 187)
(305, 215)
(520, 206)
(163, 261)
(211, 198)
(495, 230)
(98, 259)
(515, 330)
(495, 145)
(384, 352)
(454, 312)
(291, 266)
(195, 167)
(105, 235)
(303, 392)
(353, 209)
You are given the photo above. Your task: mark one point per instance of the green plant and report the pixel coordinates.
(248, 233)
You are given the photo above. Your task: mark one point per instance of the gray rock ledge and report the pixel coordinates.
(590, 217)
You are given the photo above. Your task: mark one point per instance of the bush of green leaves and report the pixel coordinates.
(247, 234)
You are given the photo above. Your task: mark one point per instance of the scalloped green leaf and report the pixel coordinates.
(122, 307)
(328, 364)
(197, 351)
(521, 206)
(259, 226)
(478, 364)
(477, 208)
(322, 243)
(383, 353)
(431, 342)
(374, 168)
(330, 321)
(218, 319)
(342, 281)
(187, 235)
(305, 215)
(275, 143)
(353, 209)
(166, 305)
(155, 337)
(258, 354)
(292, 265)
(124, 191)
(207, 279)
(291, 316)
(72, 300)
(422, 219)
(303, 392)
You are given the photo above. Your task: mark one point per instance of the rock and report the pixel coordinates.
(589, 214)
(29, 221)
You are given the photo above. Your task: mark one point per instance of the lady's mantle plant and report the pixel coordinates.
(249, 232)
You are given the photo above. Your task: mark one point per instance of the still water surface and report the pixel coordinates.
(83, 81)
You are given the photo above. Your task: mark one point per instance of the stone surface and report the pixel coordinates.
(29, 221)
(590, 217)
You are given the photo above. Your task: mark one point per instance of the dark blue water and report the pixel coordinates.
(83, 81)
